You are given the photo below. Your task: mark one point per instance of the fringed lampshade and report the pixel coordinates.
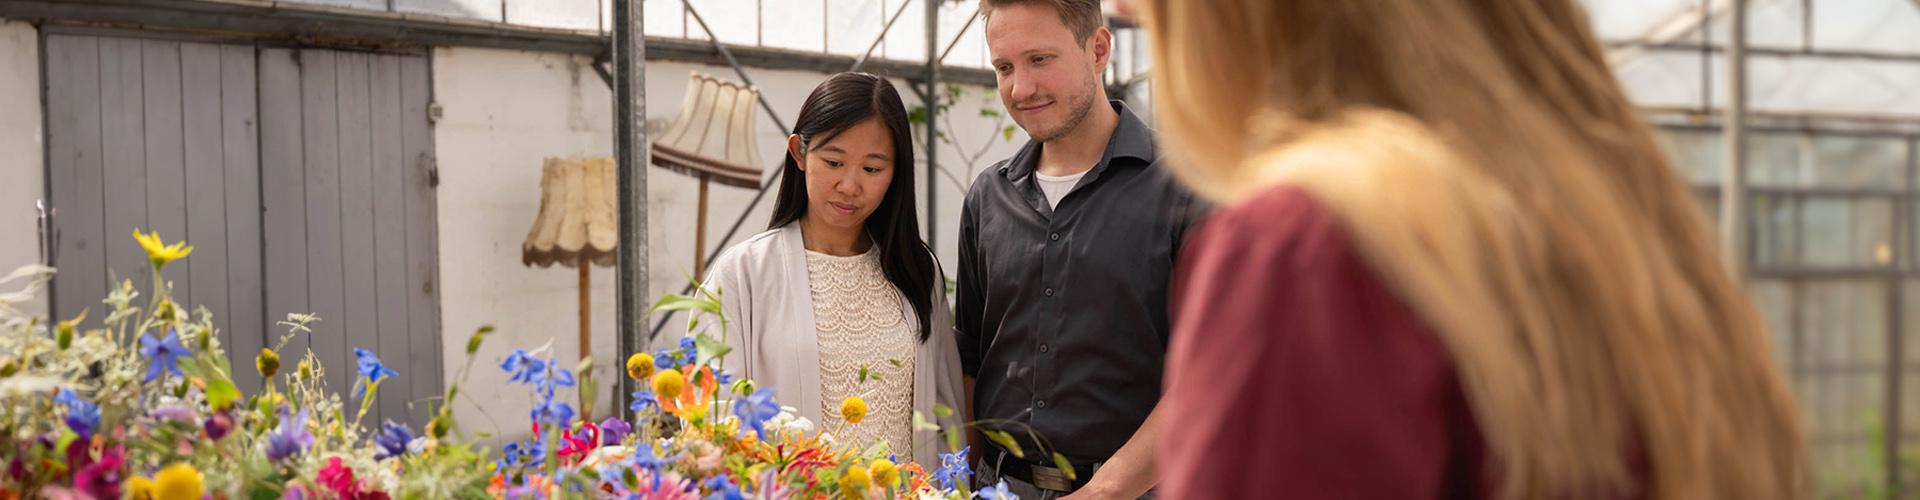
(577, 225)
(712, 139)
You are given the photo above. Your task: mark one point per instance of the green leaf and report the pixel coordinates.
(942, 411)
(989, 113)
(479, 335)
(920, 423)
(1061, 462)
(953, 438)
(896, 363)
(917, 115)
(677, 302)
(1005, 441)
(710, 347)
(221, 394)
(1007, 132)
(863, 374)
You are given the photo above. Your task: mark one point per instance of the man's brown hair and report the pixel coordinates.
(1082, 17)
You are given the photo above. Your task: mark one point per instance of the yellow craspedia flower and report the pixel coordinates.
(856, 481)
(268, 362)
(140, 488)
(668, 383)
(853, 409)
(884, 473)
(640, 366)
(178, 482)
(160, 252)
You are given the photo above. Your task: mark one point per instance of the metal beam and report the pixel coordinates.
(703, 52)
(302, 23)
(630, 152)
(1840, 55)
(1733, 205)
(933, 109)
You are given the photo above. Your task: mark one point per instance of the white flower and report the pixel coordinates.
(23, 386)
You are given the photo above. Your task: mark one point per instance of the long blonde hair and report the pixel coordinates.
(1485, 161)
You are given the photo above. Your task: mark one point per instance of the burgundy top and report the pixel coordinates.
(1295, 373)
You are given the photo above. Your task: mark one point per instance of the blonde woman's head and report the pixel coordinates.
(1499, 179)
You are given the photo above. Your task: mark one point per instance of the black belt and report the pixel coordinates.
(1045, 477)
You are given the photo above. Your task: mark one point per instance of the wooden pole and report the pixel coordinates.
(586, 307)
(700, 232)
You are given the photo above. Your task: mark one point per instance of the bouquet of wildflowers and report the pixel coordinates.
(141, 403)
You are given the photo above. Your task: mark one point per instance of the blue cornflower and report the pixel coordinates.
(162, 353)
(689, 351)
(509, 455)
(290, 437)
(644, 458)
(371, 371)
(726, 378)
(664, 359)
(82, 416)
(996, 492)
(524, 367)
(953, 466)
(552, 378)
(723, 489)
(643, 400)
(755, 409)
(392, 441)
(548, 410)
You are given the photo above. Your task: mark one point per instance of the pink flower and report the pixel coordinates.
(102, 478)
(339, 478)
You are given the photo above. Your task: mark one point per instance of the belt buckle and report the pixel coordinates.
(1049, 478)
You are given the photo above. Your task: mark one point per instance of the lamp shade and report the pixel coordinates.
(714, 134)
(578, 219)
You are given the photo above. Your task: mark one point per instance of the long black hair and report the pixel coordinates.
(836, 105)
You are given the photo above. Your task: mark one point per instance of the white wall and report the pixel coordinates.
(504, 111)
(21, 148)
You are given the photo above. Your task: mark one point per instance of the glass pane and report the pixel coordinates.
(853, 24)
(1774, 300)
(1775, 159)
(907, 40)
(665, 19)
(1776, 237)
(795, 24)
(1910, 331)
(1859, 162)
(1696, 154)
(734, 21)
(1843, 409)
(1841, 232)
(1846, 324)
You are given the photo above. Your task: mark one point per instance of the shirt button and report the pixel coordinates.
(1043, 348)
(1049, 292)
(1054, 237)
(1040, 404)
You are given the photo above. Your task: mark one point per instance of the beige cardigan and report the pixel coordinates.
(762, 283)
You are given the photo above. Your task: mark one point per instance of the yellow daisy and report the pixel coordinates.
(160, 252)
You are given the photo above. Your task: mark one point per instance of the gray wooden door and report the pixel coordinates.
(301, 177)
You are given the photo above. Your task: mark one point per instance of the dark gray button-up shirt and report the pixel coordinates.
(1062, 314)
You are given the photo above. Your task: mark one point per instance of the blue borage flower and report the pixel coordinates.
(371, 371)
(162, 354)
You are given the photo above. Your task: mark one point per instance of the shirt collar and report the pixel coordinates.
(1131, 138)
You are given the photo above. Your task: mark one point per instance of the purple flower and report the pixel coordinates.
(162, 353)
(82, 416)
(371, 371)
(613, 431)
(290, 437)
(393, 439)
(996, 492)
(219, 425)
(176, 413)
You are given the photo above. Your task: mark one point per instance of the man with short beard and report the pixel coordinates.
(1065, 253)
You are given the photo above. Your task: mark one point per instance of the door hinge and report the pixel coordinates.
(434, 112)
